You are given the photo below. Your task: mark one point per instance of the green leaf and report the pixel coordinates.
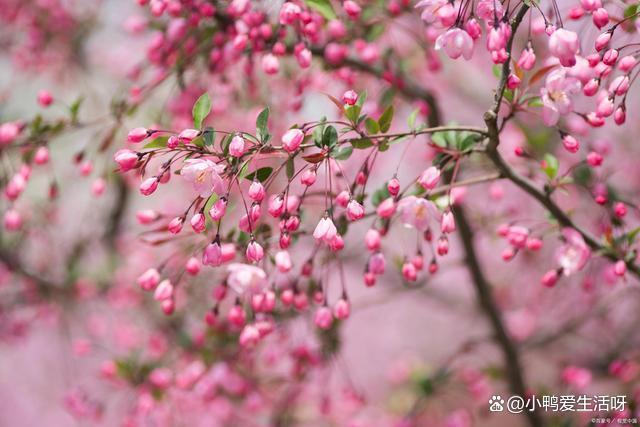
(440, 139)
(352, 112)
(290, 168)
(361, 144)
(535, 102)
(318, 131)
(74, 109)
(385, 119)
(371, 126)
(411, 120)
(261, 174)
(343, 153)
(467, 143)
(209, 136)
(362, 97)
(323, 7)
(329, 137)
(159, 142)
(380, 195)
(375, 31)
(201, 110)
(552, 165)
(261, 125)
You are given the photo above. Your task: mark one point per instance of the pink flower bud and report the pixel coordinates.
(98, 186)
(534, 244)
(590, 5)
(409, 272)
(148, 186)
(443, 246)
(173, 142)
(595, 120)
(249, 336)
(9, 132)
(591, 88)
(550, 278)
(168, 306)
(387, 208)
(237, 146)
(620, 268)
(146, 216)
(284, 241)
(292, 139)
(605, 107)
(610, 56)
(289, 13)
(564, 45)
(513, 81)
(188, 135)
(620, 209)
(270, 64)
(343, 198)
(377, 263)
(138, 135)
(149, 279)
(355, 210)
(164, 291)
(626, 63)
(303, 56)
(198, 222)
(372, 239)
(41, 156)
(175, 225)
(619, 85)
(276, 206)
(341, 309)
(517, 236)
(126, 159)
(192, 266)
(218, 209)
(429, 178)
(212, 255)
(369, 279)
(570, 144)
(256, 191)
(12, 220)
(447, 224)
(308, 177)
(576, 13)
(254, 252)
(603, 41)
(352, 9)
(325, 231)
(600, 17)
(283, 261)
(323, 318)
(236, 316)
(350, 97)
(45, 98)
(393, 186)
(508, 254)
(473, 28)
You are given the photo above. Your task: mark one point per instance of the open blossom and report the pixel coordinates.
(325, 231)
(556, 96)
(204, 175)
(246, 278)
(417, 212)
(456, 42)
(574, 254)
(431, 9)
(564, 45)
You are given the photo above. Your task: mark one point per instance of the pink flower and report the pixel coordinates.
(198, 222)
(164, 291)
(341, 309)
(218, 209)
(355, 210)
(325, 231)
(556, 96)
(447, 223)
(270, 64)
(256, 191)
(576, 377)
(417, 212)
(212, 255)
(517, 236)
(289, 13)
(387, 208)
(456, 42)
(283, 261)
(126, 159)
(246, 278)
(564, 45)
(527, 59)
(189, 135)
(292, 139)
(429, 178)
(350, 97)
(9, 132)
(204, 175)
(12, 220)
(148, 186)
(573, 255)
(323, 318)
(237, 146)
(149, 279)
(254, 252)
(138, 135)
(45, 98)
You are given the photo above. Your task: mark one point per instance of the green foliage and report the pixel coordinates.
(261, 126)
(201, 110)
(261, 174)
(323, 7)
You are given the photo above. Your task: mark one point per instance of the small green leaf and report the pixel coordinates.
(323, 7)
(329, 137)
(261, 174)
(380, 195)
(467, 143)
(159, 142)
(209, 136)
(551, 165)
(411, 120)
(362, 98)
(290, 168)
(371, 126)
(343, 153)
(201, 110)
(361, 144)
(261, 125)
(385, 119)
(352, 112)
(74, 109)
(535, 102)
